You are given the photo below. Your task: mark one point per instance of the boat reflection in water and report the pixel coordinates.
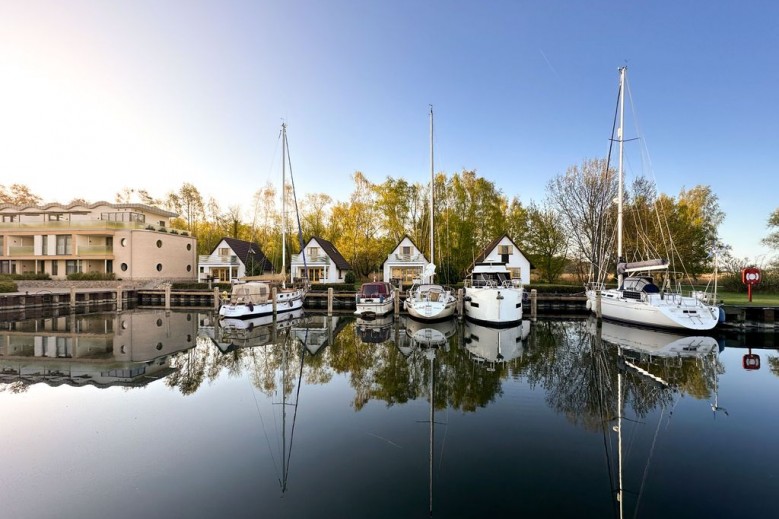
(653, 369)
(655, 342)
(131, 348)
(430, 334)
(231, 334)
(490, 346)
(375, 331)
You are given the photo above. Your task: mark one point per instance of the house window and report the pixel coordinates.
(505, 250)
(56, 217)
(405, 251)
(516, 273)
(71, 267)
(9, 218)
(54, 267)
(44, 245)
(224, 251)
(313, 252)
(64, 244)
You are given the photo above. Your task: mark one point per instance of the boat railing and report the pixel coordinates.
(595, 286)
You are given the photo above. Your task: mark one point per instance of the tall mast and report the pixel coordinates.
(620, 137)
(432, 188)
(283, 205)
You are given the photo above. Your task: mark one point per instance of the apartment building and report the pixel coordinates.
(134, 241)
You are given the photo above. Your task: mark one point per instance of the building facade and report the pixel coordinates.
(323, 261)
(233, 259)
(504, 250)
(404, 263)
(133, 241)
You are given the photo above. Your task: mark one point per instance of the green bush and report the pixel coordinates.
(349, 278)
(8, 286)
(91, 276)
(29, 276)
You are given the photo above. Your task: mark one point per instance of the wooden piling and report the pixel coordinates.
(167, 296)
(330, 301)
(72, 297)
(533, 304)
(460, 303)
(598, 310)
(216, 298)
(119, 299)
(397, 301)
(273, 299)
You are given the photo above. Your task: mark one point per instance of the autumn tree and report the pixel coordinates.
(18, 194)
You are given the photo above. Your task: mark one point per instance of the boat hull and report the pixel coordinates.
(494, 306)
(672, 312)
(375, 307)
(285, 302)
(430, 311)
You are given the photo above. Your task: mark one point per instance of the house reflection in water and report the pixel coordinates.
(130, 348)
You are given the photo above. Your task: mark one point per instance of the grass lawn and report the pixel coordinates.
(740, 298)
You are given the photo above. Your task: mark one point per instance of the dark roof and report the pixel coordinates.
(490, 246)
(331, 251)
(246, 250)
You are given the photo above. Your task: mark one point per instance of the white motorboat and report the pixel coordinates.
(491, 297)
(375, 299)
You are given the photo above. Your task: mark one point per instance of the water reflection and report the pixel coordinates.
(129, 349)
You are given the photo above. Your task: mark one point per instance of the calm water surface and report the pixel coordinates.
(149, 413)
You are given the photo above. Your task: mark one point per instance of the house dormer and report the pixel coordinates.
(404, 263)
(323, 262)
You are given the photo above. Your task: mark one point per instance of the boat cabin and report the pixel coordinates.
(633, 287)
(253, 293)
(490, 275)
(378, 289)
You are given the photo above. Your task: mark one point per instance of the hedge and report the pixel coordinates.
(16, 277)
(8, 286)
(91, 276)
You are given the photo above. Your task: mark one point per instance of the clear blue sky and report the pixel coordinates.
(96, 96)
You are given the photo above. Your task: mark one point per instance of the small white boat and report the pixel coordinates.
(427, 301)
(491, 297)
(431, 335)
(253, 299)
(375, 299)
(656, 343)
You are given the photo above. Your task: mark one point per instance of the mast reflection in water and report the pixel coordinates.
(153, 413)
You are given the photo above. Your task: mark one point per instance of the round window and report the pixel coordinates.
(159, 244)
(159, 345)
(159, 322)
(189, 246)
(123, 242)
(159, 267)
(123, 267)
(189, 268)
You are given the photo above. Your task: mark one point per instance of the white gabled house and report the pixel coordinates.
(323, 261)
(404, 263)
(233, 259)
(504, 250)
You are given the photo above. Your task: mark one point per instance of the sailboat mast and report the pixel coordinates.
(432, 188)
(283, 205)
(620, 137)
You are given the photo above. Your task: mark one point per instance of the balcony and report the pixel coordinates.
(217, 261)
(24, 250)
(408, 258)
(74, 225)
(297, 259)
(95, 250)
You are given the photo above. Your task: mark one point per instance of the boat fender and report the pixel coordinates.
(588, 305)
(251, 306)
(721, 317)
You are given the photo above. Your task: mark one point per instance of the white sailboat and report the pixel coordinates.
(637, 299)
(255, 298)
(427, 301)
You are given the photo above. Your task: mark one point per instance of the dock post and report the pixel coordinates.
(598, 310)
(216, 298)
(167, 296)
(397, 301)
(330, 301)
(273, 298)
(72, 297)
(533, 304)
(119, 297)
(460, 303)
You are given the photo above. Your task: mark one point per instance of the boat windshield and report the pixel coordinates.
(375, 289)
(482, 279)
(640, 284)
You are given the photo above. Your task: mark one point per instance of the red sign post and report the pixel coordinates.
(750, 276)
